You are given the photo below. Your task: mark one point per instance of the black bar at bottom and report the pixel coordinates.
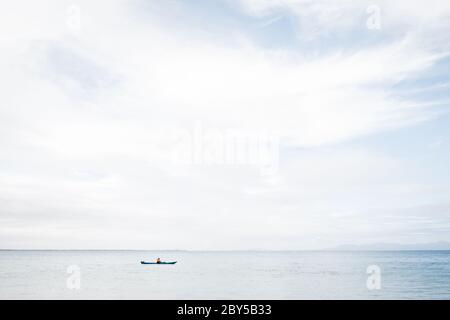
(226, 309)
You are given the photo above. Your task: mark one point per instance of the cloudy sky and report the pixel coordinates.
(228, 124)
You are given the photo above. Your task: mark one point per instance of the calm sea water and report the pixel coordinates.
(223, 275)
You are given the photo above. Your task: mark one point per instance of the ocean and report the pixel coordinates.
(225, 275)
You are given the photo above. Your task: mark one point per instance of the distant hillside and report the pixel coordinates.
(442, 245)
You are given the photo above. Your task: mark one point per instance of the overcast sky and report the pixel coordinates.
(118, 123)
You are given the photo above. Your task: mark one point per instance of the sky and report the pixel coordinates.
(224, 125)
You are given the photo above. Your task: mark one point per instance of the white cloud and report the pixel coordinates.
(87, 119)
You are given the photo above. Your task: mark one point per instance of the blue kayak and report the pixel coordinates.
(172, 262)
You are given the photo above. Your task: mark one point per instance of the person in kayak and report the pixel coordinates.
(158, 260)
